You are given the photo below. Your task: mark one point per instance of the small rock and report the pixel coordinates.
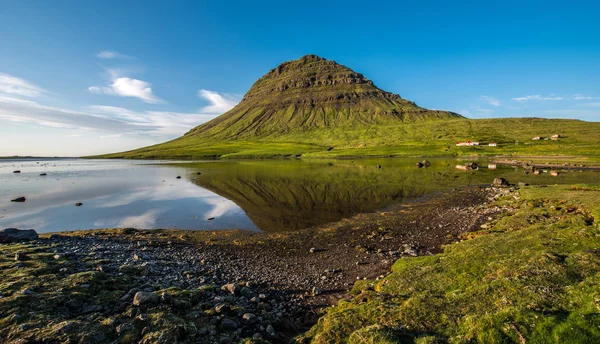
(210, 219)
(17, 171)
(523, 184)
(316, 291)
(43, 174)
(232, 288)
(247, 293)
(271, 330)
(19, 199)
(78, 204)
(249, 319)
(124, 328)
(21, 257)
(144, 298)
(228, 325)
(312, 250)
(222, 308)
(28, 291)
(178, 177)
(500, 182)
(165, 297)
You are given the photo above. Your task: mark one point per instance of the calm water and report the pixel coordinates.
(253, 195)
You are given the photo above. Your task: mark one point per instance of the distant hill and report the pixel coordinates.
(317, 107)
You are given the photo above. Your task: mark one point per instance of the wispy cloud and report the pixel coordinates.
(128, 87)
(219, 103)
(111, 119)
(578, 96)
(492, 101)
(16, 86)
(108, 54)
(537, 97)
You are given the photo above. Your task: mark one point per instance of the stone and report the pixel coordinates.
(78, 204)
(523, 184)
(500, 182)
(178, 177)
(28, 291)
(43, 174)
(316, 291)
(472, 165)
(144, 298)
(165, 297)
(19, 199)
(16, 235)
(249, 319)
(124, 328)
(247, 292)
(21, 257)
(270, 330)
(232, 288)
(425, 163)
(17, 171)
(228, 325)
(222, 308)
(312, 250)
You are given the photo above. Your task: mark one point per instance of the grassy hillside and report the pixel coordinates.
(531, 277)
(420, 138)
(311, 93)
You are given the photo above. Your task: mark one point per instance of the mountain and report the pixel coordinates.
(309, 93)
(317, 107)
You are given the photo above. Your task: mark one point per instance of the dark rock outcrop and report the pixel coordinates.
(15, 235)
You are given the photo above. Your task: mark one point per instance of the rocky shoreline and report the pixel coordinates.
(167, 286)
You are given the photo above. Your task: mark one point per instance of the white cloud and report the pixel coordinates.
(110, 119)
(578, 96)
(492, 101)
(219, 103)
(128, 87)
(537, 97)
(108, 54)
(12, 85)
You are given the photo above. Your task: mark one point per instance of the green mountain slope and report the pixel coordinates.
(308, 93)
(316, 107)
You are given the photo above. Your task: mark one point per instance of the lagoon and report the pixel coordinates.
(256, 195)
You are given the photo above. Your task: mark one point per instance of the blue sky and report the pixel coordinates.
(86, 77)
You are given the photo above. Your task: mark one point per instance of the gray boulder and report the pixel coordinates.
(144, 298)
(15, 235)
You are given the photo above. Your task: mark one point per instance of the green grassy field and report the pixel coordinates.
(423, 138)
(530, 277)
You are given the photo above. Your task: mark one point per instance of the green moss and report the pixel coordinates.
(535, 277)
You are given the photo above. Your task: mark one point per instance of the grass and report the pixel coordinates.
(421, 138)
(533, 276)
